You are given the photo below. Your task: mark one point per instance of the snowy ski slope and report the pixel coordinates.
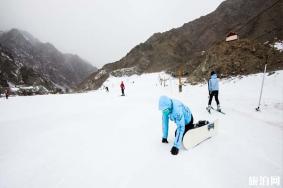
(100, 139)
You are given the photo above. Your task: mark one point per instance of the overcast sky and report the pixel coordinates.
(99, 31)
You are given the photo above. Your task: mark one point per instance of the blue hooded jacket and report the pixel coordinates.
(213, 83)
(179, 113)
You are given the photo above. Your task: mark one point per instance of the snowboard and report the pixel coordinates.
(195, 136)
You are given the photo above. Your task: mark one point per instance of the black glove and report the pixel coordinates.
(174, 150)
(164, 140)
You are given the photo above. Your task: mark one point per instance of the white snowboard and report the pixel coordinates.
(195, 136)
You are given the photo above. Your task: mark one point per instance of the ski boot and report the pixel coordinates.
(208, 108)
(218, 108)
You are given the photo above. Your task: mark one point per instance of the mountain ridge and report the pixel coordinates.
(180, 48)
(64, 70)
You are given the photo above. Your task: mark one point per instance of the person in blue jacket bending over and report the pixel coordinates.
(181, 115)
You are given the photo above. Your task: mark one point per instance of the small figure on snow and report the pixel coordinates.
(122, 86)
(213, 89)
(107, 89)
(181, 115)
(7, 93)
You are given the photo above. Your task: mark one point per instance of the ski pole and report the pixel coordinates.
(258, 108)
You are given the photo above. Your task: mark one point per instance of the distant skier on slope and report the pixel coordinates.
(122, 86)
(7, 93)
(180, 114)
(213, 89)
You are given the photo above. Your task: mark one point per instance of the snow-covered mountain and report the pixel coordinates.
(18, 77)
(101, 139)
(64, 70)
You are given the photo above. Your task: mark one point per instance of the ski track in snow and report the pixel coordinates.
(100, 139)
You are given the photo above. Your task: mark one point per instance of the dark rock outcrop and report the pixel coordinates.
(19, 75)
(239, 57)
(34, 59)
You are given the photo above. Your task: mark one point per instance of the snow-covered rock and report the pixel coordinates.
(279, 45)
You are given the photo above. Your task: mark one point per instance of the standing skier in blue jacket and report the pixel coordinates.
(213, 89)
(180, 114)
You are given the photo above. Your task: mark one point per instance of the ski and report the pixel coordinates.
(218, 110)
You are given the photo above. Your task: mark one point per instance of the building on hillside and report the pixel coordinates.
(231, 36)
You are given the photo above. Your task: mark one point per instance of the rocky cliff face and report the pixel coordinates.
(16, 75)
(43, 60)
(239, 57)
(182, 48)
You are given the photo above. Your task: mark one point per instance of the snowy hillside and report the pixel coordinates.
(101, 139)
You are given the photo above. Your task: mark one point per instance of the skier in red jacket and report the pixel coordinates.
(122, 86)
(7, 93)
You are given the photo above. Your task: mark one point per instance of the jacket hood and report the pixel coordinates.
(164, 103)
(214, 76)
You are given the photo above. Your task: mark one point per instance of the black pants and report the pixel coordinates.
(215, 94)
(187, 127)
(123, 91)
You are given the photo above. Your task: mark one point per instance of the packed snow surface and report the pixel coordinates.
(279, 46)
(100, 139)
